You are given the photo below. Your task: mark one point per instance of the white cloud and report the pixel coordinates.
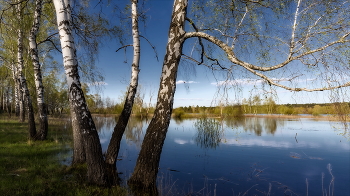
(267, 143)
(185, 82)
(180, 141)
(192, 99)
(97, 83)
(236, 82)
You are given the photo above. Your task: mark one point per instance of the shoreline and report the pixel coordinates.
(282, 116)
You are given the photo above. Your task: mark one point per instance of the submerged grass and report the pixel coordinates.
(35, 167)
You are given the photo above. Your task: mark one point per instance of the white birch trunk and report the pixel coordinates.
(16, 90)
(37, 72)
(119, 129)
(146, 169)
(94, 159)
(26, 100)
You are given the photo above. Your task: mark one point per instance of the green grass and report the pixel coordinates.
(34, 167)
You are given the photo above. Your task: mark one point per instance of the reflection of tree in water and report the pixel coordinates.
(178, 121)
(253, 125)
(270, 125)
(108, 122)
(209, 132)
(256, 125)
(234, 122)
(133, 132)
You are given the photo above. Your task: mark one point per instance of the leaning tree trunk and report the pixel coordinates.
(146, 169)
(37, 72)
(95, 164)
(114, 145)
(24, 88)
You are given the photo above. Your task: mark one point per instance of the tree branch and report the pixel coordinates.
(48, 39)
(228, 50)
(199, 39)
(253, 69)
(123, 47)
(153, 47)
(292, 42)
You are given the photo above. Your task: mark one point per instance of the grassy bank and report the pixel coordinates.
(35, 167)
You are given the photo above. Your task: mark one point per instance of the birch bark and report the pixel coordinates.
(79, 156)
(37, 72)
(16, 89)
(146, 169)
(26, 100)
(96, 173)
(114, 145)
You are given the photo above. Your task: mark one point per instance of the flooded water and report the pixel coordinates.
(251, 156)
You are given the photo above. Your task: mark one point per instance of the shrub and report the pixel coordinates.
(178, 113)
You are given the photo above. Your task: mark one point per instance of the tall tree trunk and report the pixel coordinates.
(8, 104)
(22, 112)
(146, 169)
(95, 164)
(79, 156)
(119, 129)
(37, 72)
(6, 100)
(16, 89)
(26, 100)
(2, 93)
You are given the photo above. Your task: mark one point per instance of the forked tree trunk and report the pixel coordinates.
(119, 129)
(96, 173)
(146, 169)
(42, 133)
(26, 100)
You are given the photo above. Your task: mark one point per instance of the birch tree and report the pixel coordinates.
(81, 114)
(27, 101)
(318, 40)
(119, 129)
(37, 71)
(146, 169)
(314, 43)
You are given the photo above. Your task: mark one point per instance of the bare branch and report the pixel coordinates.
(199, 63)
(228, 50)
(199, 39)
(203, 53)
(48, 39)
(239, 25)
(292, 42)
(271, 82)
(253, 69)
(123, 47)
(153, 47)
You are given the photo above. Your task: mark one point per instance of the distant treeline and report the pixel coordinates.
(272, 108)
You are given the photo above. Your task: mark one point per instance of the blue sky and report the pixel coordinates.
(196, 84)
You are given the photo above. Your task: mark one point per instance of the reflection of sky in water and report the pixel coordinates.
(283, 153)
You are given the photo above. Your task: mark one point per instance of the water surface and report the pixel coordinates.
(256, 156)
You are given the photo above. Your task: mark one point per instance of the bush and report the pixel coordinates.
(178, 113)
(233, 111)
